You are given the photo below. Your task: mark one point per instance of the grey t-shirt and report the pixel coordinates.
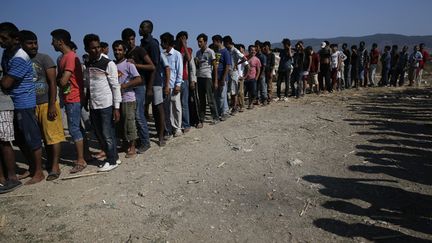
(41, 63)
(204, 63)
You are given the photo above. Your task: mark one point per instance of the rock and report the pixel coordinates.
(294, 162)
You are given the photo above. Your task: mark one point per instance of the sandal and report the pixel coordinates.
(77, 168)
(53, 176)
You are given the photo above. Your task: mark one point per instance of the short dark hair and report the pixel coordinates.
(204, 36)
(10, 29)
(25, 35)
(61, 34)
(238, 46)
(149, 23)
(217, 38)
(103, 44)
(267, 43)
(118, 43)
(167, 38)
(374, 45)
(354, 47)
(362, 43)
(89, 38)
(344, 45)
(182, 33)
(251, 46)
(258, 43)
(227, 39)
(286, 41)
(333, 45)
(127, 33)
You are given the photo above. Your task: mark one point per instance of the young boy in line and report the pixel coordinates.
(129, 78)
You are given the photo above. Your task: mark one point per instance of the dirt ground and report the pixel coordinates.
(354, 166)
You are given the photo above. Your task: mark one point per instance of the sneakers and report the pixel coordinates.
(10, 186)
(143, 148)
(118, 162)
(107, 167)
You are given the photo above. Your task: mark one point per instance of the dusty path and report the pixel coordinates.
(353, 166)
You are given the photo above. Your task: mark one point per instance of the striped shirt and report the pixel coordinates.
(19, 67)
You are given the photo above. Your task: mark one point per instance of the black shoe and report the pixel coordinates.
(10, 186)
(143, 148)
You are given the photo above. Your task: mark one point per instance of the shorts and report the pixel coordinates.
(52, 131)
(127, 122)
(157, 95)
(233, 87)
(312, 78)
(6, 126)
(26, 128)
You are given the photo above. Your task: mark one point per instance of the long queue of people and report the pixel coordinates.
(116, 94)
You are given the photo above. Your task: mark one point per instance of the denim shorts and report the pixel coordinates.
(73, 113)
(157, 95)
(26, 128)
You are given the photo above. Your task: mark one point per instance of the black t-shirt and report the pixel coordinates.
(138, 54)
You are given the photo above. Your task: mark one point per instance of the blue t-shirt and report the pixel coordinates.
(224, 59)
(19, 66)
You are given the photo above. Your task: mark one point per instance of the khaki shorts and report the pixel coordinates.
(51, 131)
(312, 78)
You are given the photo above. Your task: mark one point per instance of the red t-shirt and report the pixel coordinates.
(425, 55)
(315, 62)
(70, 62)
(374, 56)
(185, 63)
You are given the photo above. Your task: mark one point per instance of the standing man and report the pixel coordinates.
(236, 58)
(402, 66)
(175, 61)
(385, 65)
(8, 179)
(182, 47)
(103, 97)
(145, 66)
(48, 108)
(324, 72)
(252, 75)
(363, 63)
(207, 80)
(70, 80)
(270, 71)
(17, 80)
(423, 62)
(224, 64)
(261, 91)
(393, 65)
(285, 69)
(374, 58)
(414, 64)
(347, 66)
(153, 78)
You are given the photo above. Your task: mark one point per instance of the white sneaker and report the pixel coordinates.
(107, 167)
(285, 99)
(118, 162)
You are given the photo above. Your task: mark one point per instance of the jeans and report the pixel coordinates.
(167, 110)
(73, 113)
(205, 94)
(262, 89)
(372, 74)
(142, 127)
(400, 73)
(221, 99)
(185, 104)
(102, 119)
(250, 87)
(385, 75)
(283, 76)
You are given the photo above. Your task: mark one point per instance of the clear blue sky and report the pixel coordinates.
(245, 21)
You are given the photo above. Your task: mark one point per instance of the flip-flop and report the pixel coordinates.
(10, 186)
(53, 176)
(77, 168)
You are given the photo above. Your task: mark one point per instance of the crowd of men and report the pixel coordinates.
(114, 95)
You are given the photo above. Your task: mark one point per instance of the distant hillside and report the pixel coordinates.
(381, 39)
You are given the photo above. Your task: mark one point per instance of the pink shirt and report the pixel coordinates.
(254, 64)
(70, 62)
